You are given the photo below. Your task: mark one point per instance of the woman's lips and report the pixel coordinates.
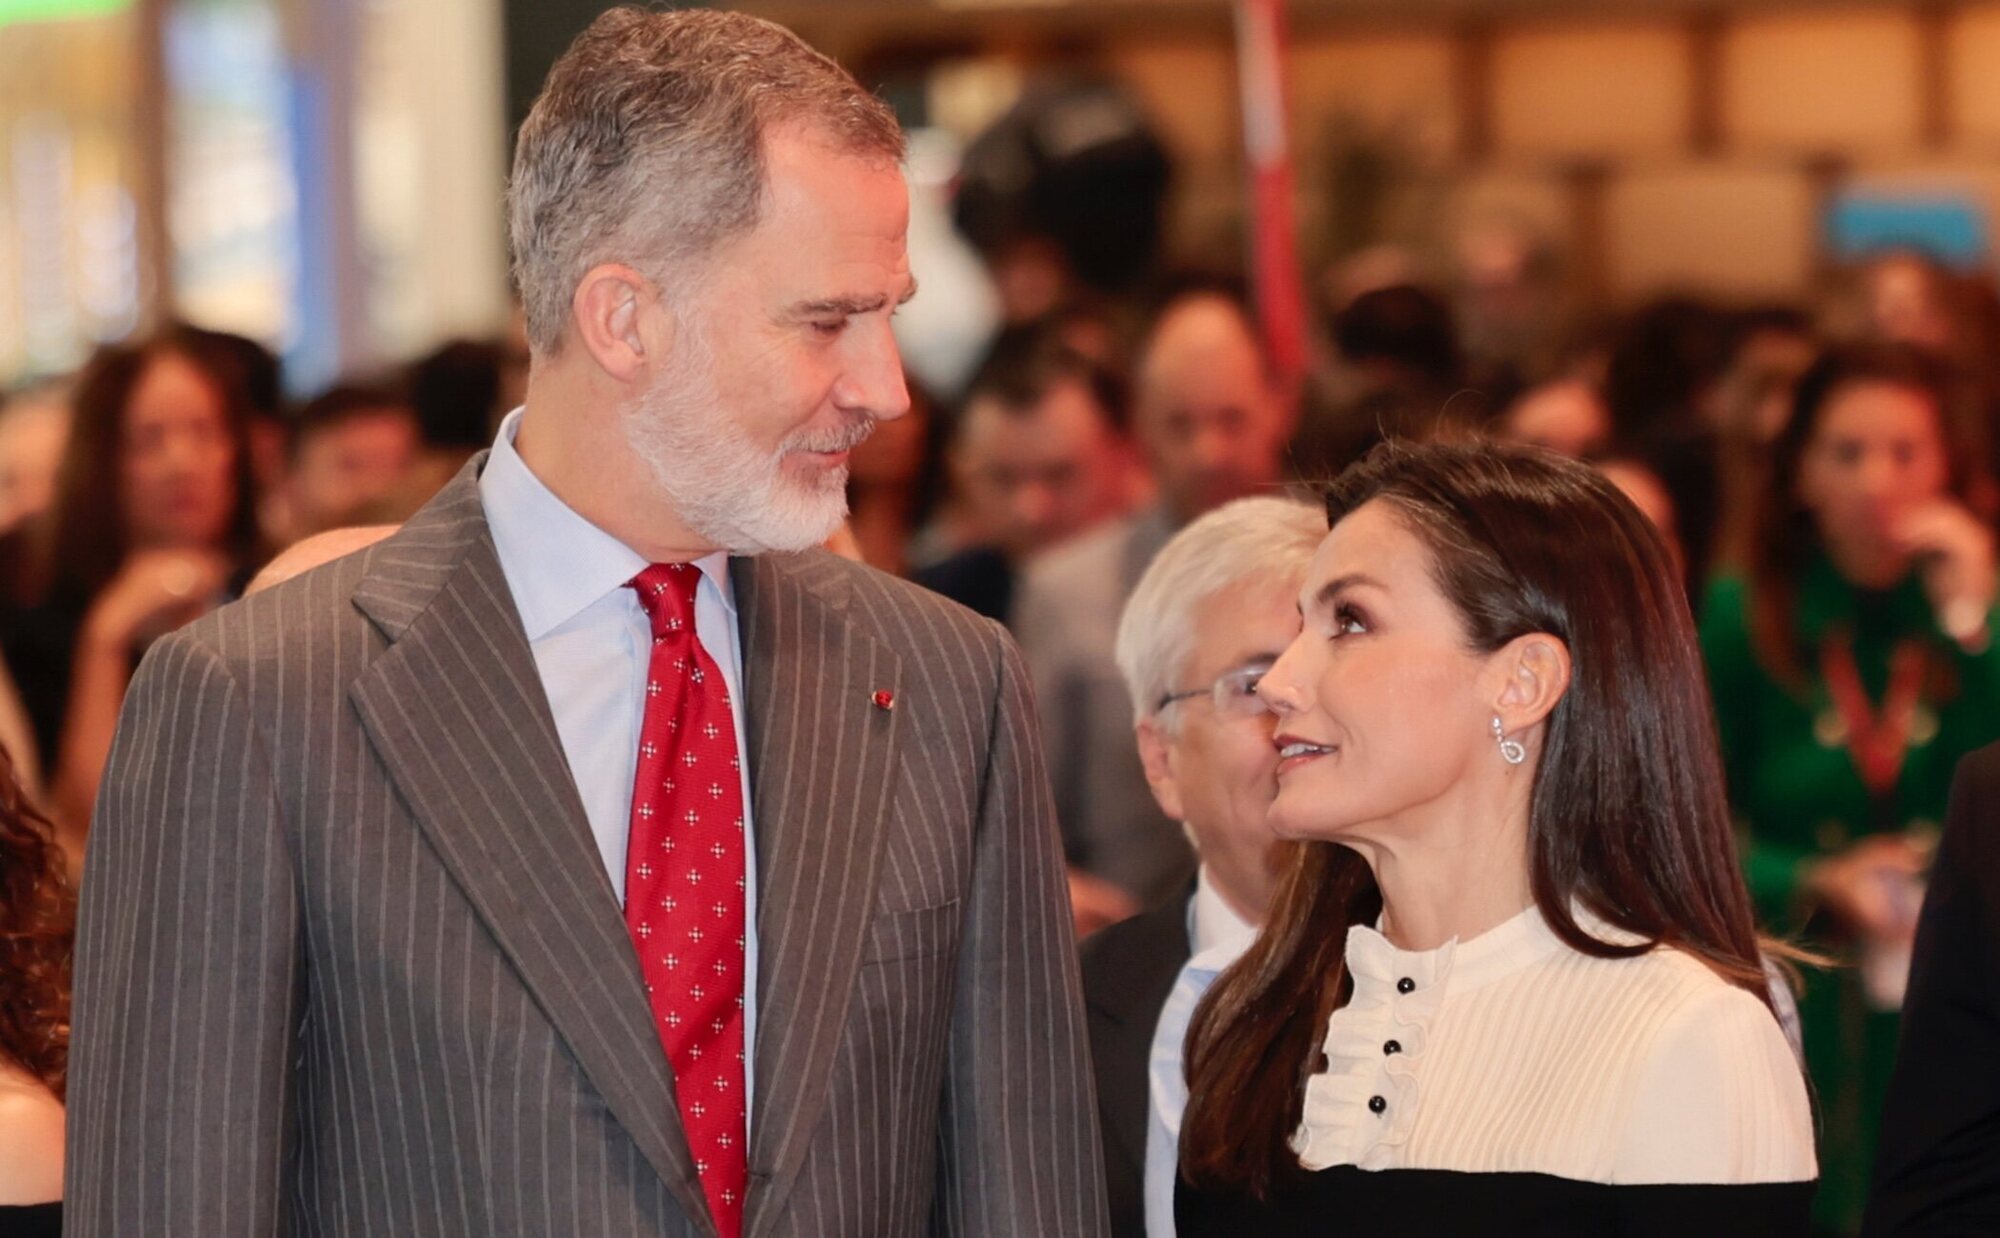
(1294, 752)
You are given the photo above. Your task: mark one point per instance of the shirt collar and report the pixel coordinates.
(1219, 936)
(557, 563)
(1500, 951)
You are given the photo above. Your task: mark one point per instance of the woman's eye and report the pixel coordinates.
(1348, 621)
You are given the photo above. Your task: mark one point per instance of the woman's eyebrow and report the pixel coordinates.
(1333, 588)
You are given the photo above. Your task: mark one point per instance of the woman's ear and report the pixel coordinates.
(1533, 675)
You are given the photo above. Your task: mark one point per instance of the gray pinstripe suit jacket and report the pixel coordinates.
(349, 964)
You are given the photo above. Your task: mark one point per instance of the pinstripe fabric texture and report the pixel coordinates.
(348, 962)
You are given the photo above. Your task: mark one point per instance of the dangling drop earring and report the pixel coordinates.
(1511, 750)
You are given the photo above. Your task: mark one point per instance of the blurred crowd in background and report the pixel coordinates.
(1825, 469)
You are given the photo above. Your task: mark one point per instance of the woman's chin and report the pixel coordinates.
(1305, 822)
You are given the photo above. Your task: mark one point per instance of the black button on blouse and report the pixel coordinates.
(1406, 985)
(1377, 1104)
(1393, 1046)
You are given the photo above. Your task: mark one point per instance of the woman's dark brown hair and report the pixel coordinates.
(1787, 535)
(1627, 817)
(37, 922)
(88, 520)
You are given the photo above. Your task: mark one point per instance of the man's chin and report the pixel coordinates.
(805, 531)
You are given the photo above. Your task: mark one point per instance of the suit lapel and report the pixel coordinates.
(1128, 998)
(824, 768)
(456, 711)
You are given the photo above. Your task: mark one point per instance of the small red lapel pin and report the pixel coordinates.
(884, 699)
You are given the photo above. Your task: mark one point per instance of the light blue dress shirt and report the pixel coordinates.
(592, 644)
(1219, 937)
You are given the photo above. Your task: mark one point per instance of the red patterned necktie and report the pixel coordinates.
(684, 885)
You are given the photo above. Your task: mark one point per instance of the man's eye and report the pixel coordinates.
(829, 327)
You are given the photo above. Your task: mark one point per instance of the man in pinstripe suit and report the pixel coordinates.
(371, 924)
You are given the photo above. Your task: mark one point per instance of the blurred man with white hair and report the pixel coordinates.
(1211, 613)
(1212, 422)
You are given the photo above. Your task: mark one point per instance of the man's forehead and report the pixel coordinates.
(799, 170)
(833, 239)
(1246, 618)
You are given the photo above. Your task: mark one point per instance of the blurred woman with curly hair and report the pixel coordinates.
(37, 917)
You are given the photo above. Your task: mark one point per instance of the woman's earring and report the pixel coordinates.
(1511, 750)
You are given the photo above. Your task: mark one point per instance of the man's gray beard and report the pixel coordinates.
(722, 487)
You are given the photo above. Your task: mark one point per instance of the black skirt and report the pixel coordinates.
(32, 1221)
(1347, 1202)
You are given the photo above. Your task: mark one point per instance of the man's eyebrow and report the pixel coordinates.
(839, 306)
(1260, 660)
(850, 306)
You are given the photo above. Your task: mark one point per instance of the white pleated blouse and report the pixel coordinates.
(1513, 1052)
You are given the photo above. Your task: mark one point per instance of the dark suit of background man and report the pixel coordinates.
(1937, 1169)
(580, 860)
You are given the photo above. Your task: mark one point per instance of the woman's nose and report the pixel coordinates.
(1278, 687)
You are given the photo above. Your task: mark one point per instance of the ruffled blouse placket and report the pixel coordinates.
(1363, 1103)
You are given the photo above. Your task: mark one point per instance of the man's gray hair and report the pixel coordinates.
(646, 146)
(1237, 544)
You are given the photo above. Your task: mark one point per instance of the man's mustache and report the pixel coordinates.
(843, 438)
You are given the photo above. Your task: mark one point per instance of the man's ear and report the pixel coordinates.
(616, 316)
(1156, 753)
(1534, 673)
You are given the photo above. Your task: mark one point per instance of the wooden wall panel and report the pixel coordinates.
(1589, 91)
(1843, 81)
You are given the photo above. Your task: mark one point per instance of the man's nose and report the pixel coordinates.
(874, 382)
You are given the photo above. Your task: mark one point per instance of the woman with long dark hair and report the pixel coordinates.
(1510, 984)
(154, 523)
(37, 919)
(1852, 666)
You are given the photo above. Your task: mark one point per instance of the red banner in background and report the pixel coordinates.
(1274, 251)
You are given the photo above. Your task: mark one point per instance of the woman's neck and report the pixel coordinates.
(1455, 881)
(1867, 568)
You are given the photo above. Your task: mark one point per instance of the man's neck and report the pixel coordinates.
(1236, 894)
(1223, 920)
(574, 447)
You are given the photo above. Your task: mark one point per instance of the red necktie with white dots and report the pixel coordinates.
(684, 885)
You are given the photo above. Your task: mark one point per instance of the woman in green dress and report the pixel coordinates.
(1852, 664)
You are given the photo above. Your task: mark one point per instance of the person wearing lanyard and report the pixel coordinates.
(1851, 663)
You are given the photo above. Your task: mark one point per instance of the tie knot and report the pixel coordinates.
(666, 591)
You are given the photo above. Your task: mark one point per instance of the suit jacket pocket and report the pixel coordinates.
(919, 933)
